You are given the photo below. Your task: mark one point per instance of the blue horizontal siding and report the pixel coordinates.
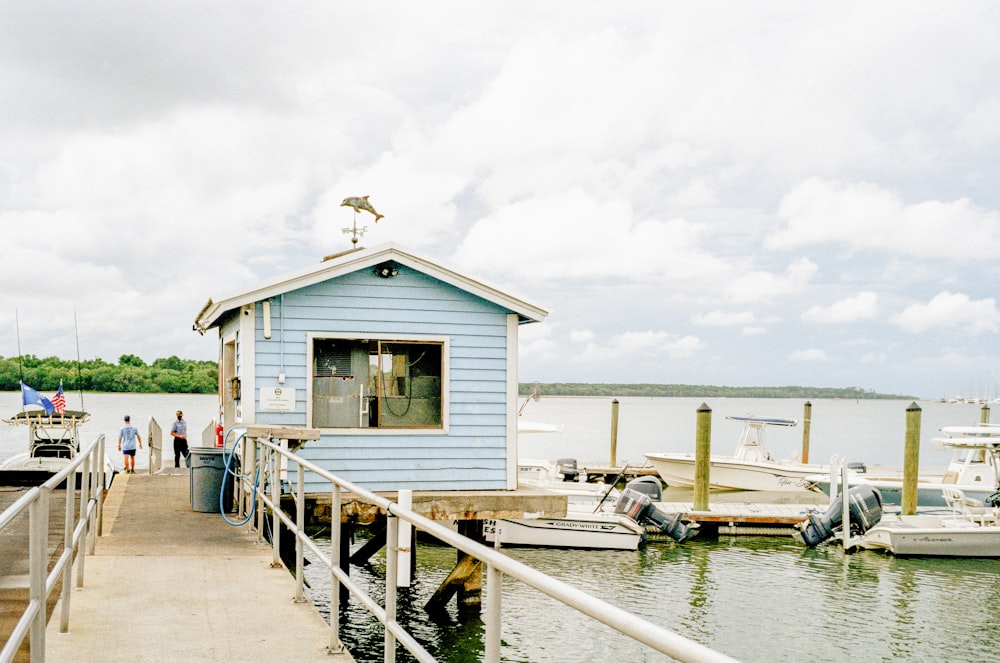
(473, 454)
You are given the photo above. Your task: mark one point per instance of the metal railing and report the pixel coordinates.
(265, 468)
(82, 525)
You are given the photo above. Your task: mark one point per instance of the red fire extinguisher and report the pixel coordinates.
(218, 435)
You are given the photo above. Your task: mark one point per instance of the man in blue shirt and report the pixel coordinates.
(128, 436)
(179, 431)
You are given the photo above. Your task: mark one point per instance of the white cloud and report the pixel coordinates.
(951, 311)
(809, 355)
(642, 346)
(863, 306)
(575, 236)
(869, 217)
(760, 285)
(724, 318)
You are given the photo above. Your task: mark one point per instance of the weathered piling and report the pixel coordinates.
(806, 424)
(911, 460)
(702, 458)
(984, 415)
(614, 433)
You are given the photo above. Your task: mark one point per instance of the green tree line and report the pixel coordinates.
(131, 374)
(699, 391)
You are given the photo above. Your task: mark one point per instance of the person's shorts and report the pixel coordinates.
(129, 452)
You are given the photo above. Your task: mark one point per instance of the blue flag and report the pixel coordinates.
(31, 397)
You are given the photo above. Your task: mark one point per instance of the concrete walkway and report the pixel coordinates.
(169, 584)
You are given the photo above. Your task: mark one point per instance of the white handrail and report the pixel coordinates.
(497, 564)
(79, 531)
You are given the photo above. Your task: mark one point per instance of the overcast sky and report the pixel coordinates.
(702, 193)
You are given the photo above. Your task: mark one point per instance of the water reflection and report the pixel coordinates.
(754, 598)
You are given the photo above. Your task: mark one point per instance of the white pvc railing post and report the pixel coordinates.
(845, 518)
(494, 592)
(391, 568)
(275, 506)
(404, 556)
(87, 479)
(300, 521)
(336, 531)
(99, 470)
(38, 544)
(69, 524)
(262, 483)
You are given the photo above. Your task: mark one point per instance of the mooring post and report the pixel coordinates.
(984, 414)
(911, 460)
(806, 424)
(614, 433)
(703, 451)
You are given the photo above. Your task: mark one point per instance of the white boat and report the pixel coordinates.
(971, 530)
(604, 519)
(579, 529)
(53, 442)
(751, 467)
(972, 469)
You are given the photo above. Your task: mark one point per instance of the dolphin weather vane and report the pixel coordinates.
(359, 203)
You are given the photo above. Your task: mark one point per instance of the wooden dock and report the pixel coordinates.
(167, 583)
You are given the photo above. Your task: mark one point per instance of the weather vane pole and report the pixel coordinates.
(358, 203)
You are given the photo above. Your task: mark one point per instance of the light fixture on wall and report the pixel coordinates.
(386, 270)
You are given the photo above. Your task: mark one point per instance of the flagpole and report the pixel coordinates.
(20, 365)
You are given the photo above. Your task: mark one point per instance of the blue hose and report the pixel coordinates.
(229, 471)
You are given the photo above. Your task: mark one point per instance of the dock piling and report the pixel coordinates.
(703, 451)
(614, 433)
(911, 460)
(806, 424)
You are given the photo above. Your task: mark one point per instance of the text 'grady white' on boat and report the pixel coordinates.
(751, 467)
(615, 522)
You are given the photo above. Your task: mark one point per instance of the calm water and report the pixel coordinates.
(106, 412)
(754, 598)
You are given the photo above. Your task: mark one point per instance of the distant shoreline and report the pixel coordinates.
(701, 391)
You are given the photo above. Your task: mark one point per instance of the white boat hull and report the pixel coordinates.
(583, 530)
(933, 536)
(728, 473)
(23, 464)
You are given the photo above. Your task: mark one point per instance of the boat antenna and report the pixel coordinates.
(614, 483)
(79, 375)
(20, 365)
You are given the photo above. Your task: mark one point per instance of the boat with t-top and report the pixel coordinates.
(751, 467)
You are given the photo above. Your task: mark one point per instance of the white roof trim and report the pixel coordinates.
(352, 261)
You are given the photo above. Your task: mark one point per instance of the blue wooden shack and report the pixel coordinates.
(408, 368)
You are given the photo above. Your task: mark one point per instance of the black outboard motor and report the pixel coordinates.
(864, 507)
(637, 506)
(649, 486)
(993, 500)
(567, 468)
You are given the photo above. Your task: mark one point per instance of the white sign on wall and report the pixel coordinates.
(277, 399)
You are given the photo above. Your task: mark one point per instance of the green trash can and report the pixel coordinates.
(208, 470)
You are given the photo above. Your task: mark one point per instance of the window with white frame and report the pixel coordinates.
(377, 383)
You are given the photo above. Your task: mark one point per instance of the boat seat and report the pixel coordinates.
(967, 508)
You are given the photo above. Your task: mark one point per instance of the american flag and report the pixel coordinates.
(59, 400)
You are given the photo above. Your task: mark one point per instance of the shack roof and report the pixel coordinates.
(354, 260)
